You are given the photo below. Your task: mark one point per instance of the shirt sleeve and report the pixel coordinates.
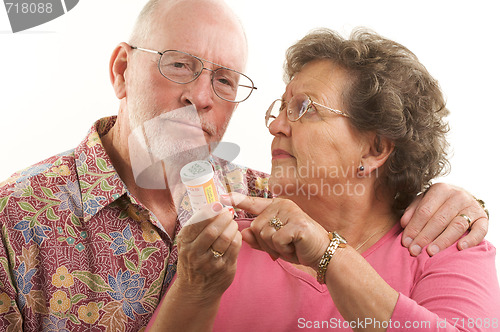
(10, 315)
(455, 291)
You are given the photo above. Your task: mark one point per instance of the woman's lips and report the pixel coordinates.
(280, 154)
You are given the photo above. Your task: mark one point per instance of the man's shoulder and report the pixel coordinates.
(258, 183)
(43, 175)
(245, 180)
(62, 164)
(257, 174)
(229, 167)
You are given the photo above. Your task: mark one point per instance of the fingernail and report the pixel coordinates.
(464, 245)
(407, 241)
(225, 198)
(272, 257)
(216, 207)
(415, 249)
(434, 249)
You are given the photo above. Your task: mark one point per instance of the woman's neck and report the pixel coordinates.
(362, 219)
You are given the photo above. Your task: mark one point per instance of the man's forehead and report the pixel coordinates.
(210, 43)
(193, 10)
(204, 28)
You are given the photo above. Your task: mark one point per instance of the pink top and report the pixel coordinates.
(453, 290)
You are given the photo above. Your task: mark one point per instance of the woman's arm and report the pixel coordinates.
(446, 288)
(454, 291)
(357, 290)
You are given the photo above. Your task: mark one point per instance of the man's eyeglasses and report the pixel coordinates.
(183, 68)
(297, 107)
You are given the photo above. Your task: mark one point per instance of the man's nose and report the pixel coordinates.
(200, 92)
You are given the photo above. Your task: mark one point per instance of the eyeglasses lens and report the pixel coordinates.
(298, 106)
(274, 111)
(184, 68)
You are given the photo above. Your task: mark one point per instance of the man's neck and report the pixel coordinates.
(159, 201)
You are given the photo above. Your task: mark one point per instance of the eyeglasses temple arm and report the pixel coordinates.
(331, 109)
(145, 50)
(251, 87)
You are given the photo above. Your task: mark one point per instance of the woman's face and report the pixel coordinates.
(320, 153)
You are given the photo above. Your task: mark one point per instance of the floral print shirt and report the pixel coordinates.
(78, 252)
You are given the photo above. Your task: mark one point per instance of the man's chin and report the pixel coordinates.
(189, 153)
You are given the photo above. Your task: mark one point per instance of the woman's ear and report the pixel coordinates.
(117, 67)
(377, 152)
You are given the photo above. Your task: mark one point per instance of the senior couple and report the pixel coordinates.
(85, 246)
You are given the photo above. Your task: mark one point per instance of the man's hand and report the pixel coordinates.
(208, 246)
(193, 299)
(434, 219)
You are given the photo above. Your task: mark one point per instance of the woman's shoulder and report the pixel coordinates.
(404, 272)
(391, 246)
(480, 257)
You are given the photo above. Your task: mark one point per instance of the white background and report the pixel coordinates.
(54, 78)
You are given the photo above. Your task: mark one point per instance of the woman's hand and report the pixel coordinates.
(208, 248)
(355, 287)
(295, 236)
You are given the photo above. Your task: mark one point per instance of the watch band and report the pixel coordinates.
(336, 241)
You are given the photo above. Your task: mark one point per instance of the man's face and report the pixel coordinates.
(192, 114)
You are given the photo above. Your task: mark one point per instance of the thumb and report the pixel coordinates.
(208, 211)
(249, 238)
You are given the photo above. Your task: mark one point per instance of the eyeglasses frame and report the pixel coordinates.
(289, 113)
(253, 87)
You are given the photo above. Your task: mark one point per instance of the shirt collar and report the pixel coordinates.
(99, 182)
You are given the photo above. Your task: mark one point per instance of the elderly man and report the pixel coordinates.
(88, 236)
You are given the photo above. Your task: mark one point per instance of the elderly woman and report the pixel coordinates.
(358, 133)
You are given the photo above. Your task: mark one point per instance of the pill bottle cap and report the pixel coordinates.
(196, 173)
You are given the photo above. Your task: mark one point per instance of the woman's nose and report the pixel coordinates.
(280, 125)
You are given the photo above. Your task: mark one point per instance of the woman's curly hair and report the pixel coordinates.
(391, 94)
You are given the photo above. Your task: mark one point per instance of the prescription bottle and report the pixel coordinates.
(198, 177)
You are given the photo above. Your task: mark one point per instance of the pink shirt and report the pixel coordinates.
(452, 291)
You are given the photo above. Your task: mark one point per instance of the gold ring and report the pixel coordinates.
(276, 223)
(217, 254)
(466, 217)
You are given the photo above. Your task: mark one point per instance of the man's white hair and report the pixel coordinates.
(143, 24)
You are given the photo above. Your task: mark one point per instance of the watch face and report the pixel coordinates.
(340, 237)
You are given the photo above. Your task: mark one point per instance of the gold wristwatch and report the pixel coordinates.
(336, 240)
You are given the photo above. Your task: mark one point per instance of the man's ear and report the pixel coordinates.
(117, 67)
(377, 152)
